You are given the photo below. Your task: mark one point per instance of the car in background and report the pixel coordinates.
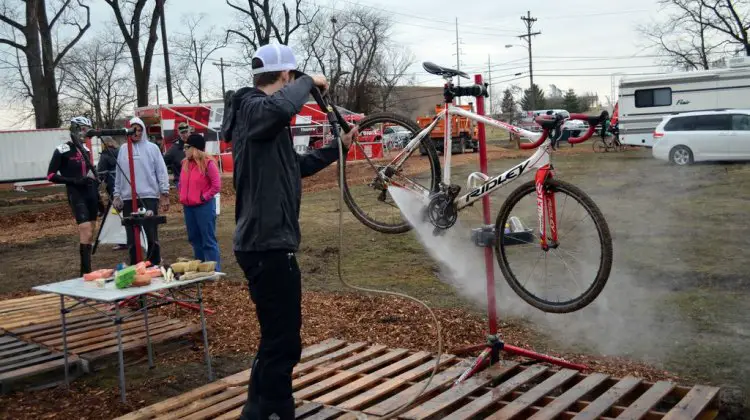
(720, 135)
(396, 136)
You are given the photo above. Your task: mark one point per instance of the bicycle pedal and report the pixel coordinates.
(438, 232)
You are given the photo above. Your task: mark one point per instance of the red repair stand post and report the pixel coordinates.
(493, 346)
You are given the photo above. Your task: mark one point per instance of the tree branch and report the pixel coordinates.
(12, 44)
(59, 13)
(81, 31)
(12, 22)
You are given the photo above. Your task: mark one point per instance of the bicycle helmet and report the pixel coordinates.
(81, 121)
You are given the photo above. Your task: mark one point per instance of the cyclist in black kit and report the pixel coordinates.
(68, 167)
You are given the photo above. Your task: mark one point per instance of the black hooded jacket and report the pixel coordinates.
(268, 171)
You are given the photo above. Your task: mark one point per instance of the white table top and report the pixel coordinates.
(109, 293)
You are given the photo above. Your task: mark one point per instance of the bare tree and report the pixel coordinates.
(349, 47)
(192, 50)
(696, 33)
(102, 83)
(261, 21)
(44, 47)
(131, 31)
(390, 71)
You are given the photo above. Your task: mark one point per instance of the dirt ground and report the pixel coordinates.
(675, 306)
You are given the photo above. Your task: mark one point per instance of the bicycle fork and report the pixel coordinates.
(546, 208)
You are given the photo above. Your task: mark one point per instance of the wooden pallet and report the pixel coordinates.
(336, 379)
(20, 360)
(33, 310)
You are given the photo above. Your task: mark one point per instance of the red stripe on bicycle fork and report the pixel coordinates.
(542, 208)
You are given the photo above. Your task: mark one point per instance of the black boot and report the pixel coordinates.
(85, 250)
(251, 410)
(276, 409)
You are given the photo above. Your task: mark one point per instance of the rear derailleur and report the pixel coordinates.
(441, 210)
(379, 182)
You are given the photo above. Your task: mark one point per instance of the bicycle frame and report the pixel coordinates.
(540, 159)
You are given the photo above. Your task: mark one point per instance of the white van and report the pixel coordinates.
(703, 136)
(644, 101)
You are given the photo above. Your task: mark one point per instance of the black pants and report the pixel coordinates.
(152, 233)
(275, 285)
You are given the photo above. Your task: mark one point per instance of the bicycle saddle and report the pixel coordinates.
(433, 68)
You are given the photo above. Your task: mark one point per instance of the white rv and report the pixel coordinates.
(644, 101)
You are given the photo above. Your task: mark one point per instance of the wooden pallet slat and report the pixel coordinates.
(325, 414)
(693, 403)
(528, 398)
(561, 403)
(39, 368)
(16, 349)
(605, 401)
(438, 381)
(81, 332)
(165, 406)
(497, 393)
(330, 357)
(341, 378)
(342, 364)
(384, 388)
(203, 403)
(369, 379)
(141, 342)
(217, 409)
(44, 328)
(453, 395)
(641, 406)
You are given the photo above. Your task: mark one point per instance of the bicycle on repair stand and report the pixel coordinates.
(570, 250)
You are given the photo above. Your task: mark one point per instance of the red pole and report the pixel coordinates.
(489, 261)
(136, 230)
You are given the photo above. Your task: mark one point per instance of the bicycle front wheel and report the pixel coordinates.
(365, 193)
(573, 271)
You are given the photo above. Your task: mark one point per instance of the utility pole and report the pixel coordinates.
(166, 51)
(221, 66)
(458, 59)
(529, 21)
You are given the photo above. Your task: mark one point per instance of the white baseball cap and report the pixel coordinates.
(275, 57)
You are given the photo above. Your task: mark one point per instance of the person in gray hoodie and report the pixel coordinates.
(152, 187)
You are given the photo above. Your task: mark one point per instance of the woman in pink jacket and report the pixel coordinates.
(199, 183)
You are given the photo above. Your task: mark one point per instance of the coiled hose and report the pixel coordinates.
(404, 407)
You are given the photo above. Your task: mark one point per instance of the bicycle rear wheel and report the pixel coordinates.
(564, 264)
(364, 192)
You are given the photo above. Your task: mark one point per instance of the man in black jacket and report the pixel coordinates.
(176, 154)
(268, 183)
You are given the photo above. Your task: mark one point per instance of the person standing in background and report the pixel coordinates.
(199, 183)
(107, 169)
(152, 187)
(68, 167)
(107, 166)
(176, 154)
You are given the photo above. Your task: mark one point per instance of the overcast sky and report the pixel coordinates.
(582, 43)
